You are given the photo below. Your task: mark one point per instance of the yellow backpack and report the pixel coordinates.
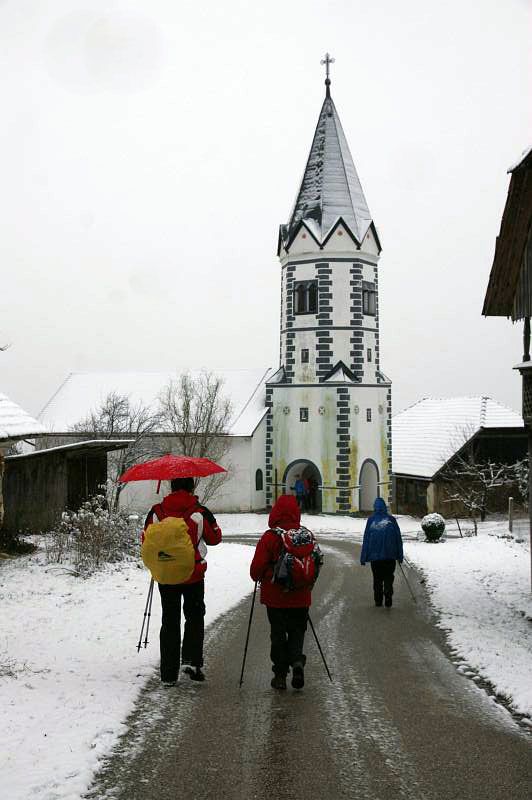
(168, 552)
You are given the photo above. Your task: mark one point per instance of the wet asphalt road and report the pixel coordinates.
(397, 722)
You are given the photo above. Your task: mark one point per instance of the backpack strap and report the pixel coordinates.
(157, 511)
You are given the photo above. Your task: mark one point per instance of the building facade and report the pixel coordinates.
(329, 404)
(325, 414)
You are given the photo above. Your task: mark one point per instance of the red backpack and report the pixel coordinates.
(300, 560)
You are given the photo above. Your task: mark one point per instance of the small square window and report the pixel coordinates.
(368, 414)
(370, 354)
(304, 356)
(303, 414)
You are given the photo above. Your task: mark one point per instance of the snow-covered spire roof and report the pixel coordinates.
(330, 188)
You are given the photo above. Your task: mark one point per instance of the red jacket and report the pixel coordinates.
(285, 514)
(202, 526)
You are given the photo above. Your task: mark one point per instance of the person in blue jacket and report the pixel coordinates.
(382, 546)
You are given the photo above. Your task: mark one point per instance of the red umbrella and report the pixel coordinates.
(168, 467)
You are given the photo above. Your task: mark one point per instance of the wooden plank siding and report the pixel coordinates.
(38, 490)
(509, 292)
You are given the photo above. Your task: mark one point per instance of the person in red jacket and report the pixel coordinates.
(287, 610)
(203, 530)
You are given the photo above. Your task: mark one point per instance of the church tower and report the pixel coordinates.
(329, 418)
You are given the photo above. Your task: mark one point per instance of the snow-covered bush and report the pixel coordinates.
(433, 526)
(93, 536)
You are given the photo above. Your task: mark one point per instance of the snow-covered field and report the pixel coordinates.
(70, 672)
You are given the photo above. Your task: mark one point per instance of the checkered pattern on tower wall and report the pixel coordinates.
(289, 335)
(269, 446)
(377, 346)
(355, 308)
(324, 353)
(389, 441)
(343, 424)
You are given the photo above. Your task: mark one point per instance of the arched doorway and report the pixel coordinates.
(369, 485)
(308, 471)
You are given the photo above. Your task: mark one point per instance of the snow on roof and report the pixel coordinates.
(91, 444)
(523, 157)
(428, 433)
(83, 392)
(15, 423)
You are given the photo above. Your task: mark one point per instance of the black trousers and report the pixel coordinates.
(170, 636)
(287, 634)
(383, 574)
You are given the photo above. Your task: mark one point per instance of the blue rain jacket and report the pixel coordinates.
(382, 537)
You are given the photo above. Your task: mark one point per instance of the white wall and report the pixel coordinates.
(316, 440)
(234, 495)
(257, 499)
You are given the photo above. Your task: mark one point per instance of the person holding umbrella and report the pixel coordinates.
(201, 528)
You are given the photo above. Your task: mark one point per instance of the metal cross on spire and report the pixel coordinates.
(327, 61)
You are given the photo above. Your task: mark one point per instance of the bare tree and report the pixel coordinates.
(473, 483)
(520, 469)
(118, 418)
(196, 415)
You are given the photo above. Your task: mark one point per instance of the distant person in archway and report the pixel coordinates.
(382, 546)
(299, 489)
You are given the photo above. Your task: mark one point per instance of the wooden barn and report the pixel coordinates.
(431, 434)
(15, 426)
(40, 485)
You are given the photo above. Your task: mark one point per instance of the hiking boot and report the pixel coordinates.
(278, 682)
(378, 603)
(194, 673)
(298, 676)
(388, 601)
(168, 684)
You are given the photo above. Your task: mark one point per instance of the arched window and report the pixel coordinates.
(306, 297)
(259, 481)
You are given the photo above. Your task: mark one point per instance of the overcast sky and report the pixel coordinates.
(149, 152)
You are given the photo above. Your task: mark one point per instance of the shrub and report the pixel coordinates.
(13, 543)
(433, 526)
(93, 536)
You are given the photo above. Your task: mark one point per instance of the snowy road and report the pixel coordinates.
(398, 721)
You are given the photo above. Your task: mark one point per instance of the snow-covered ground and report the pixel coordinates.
(69, 667)
(481, 588)
(70, 672)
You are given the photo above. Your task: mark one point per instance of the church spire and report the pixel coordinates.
(330, 188)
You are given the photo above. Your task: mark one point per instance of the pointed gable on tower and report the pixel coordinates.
(330, 191)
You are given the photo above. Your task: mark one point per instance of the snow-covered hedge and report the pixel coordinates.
(433, 526)
(93, 536)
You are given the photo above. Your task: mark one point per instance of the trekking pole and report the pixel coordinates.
(319, 648)
(148, 603)
(247, 637)
(149, 615)
(406, 581)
